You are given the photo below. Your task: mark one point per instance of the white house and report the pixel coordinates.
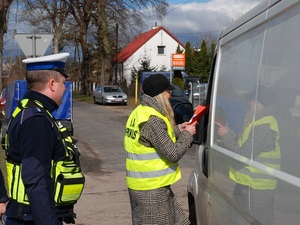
(157, 45)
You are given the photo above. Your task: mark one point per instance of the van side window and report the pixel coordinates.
(234, 82)
(229, 105)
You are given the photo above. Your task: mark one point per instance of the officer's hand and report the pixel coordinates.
(2, 207)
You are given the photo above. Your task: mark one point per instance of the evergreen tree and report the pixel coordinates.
(144, 65)
(188, 58)
(204, 61)
(210, 57)
(198, 61)
(178, 49)
(178, 80)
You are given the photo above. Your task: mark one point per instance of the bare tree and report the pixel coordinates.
(92, 27)
(104, 43)
(82, 11)
(108, 17)
(48, 16)
(4, 6)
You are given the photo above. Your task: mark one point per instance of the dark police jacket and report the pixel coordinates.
(34, 143)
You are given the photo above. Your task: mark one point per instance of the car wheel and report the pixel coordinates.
(103, 102)
(95, 102)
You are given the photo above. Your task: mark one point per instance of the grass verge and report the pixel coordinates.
(82, 98)
(89, 99)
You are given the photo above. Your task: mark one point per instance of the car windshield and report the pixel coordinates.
(112, 89)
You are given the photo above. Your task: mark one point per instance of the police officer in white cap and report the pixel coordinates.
(33, 143)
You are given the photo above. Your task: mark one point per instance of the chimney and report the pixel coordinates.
(155, 26)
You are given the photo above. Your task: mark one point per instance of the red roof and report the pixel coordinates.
(140, 41)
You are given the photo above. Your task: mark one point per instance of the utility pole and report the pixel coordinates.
(116, 65)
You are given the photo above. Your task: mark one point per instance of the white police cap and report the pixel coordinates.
(50, 62)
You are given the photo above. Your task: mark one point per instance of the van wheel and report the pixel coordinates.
(192, 210)
(103, 102)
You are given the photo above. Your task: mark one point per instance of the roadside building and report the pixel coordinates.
(157, 45)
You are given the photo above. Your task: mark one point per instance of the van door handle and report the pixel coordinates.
(205, 161)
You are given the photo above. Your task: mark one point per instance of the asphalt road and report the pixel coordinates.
(99, 131)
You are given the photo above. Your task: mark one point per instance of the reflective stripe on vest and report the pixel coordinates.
(250, 176)
(145, 168)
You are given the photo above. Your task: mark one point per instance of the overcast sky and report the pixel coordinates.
(195, 20)
(190, 20)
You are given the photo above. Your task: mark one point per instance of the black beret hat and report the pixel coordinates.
(156, 84)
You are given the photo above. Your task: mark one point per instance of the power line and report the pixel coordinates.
(202, 32)
(177, 7)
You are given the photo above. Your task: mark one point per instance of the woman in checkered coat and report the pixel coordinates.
(154, 145)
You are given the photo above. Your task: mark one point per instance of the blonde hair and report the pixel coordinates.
(249, 117)
(165, 103)
(37, 79)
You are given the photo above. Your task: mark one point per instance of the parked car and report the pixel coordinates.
(182, 107)
(187, 80)
(109, 94)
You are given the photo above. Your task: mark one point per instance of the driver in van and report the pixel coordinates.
(259, 140)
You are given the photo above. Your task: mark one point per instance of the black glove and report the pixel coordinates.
(68, 220)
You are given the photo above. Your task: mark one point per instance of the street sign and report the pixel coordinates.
(178, 61)
(33, 45)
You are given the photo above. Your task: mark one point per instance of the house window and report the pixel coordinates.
(161, 50)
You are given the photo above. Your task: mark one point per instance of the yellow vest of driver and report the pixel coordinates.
(146, 169)
(250, 176)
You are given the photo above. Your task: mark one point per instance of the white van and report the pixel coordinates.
(248, 172)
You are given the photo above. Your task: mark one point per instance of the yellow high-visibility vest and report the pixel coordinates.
(66, 173)
(146, 169)
(251, 176)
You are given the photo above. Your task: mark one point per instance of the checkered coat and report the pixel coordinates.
(159, 206)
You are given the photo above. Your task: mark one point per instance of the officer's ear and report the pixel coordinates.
(52, 84)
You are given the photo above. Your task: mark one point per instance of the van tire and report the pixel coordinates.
(192, 210)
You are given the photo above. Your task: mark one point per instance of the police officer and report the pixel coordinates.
(34, 143)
